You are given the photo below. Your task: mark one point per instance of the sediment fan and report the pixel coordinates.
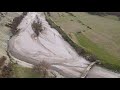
(33, 46)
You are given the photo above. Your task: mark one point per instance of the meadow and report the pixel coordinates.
(99, 35)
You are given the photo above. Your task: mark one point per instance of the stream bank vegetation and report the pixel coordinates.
(37, 27)
(13, 70)
(5, 70)
(42, 69)
(38, 71)
(84, 47)
(16, 21)
(78, 49)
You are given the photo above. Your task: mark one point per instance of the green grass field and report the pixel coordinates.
(106, 58)
(23, 72)
(98, 35)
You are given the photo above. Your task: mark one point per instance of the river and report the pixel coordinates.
(50, 47)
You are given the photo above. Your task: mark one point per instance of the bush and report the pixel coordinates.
(2, 60)
(6, 71)
(37, 27)
(42, 68)
(16, 22)
(91, 58)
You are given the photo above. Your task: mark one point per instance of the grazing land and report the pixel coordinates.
(97, 34)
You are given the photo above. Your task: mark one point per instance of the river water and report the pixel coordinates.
(50, 47)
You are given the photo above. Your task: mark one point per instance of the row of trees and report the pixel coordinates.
(37, 27)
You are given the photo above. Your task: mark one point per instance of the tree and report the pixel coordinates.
(42, 68)
(6, 71)
(37, 27)
(16, 22)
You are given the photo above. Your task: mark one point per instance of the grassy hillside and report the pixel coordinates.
(99, 35)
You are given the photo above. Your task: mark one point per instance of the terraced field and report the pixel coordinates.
(99, 35)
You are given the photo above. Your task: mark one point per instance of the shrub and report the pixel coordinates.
(37, 27)
(2, 60)
(89, 27)
(91, 58)
(16, 22)
(42, 68)
(79, 32)
(6, 71)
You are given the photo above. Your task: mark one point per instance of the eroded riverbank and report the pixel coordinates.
(49, 46)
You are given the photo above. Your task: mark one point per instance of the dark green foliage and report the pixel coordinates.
(6, 71)
(79, 32)
(16, 22)
(37, 27)
(42, 68)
